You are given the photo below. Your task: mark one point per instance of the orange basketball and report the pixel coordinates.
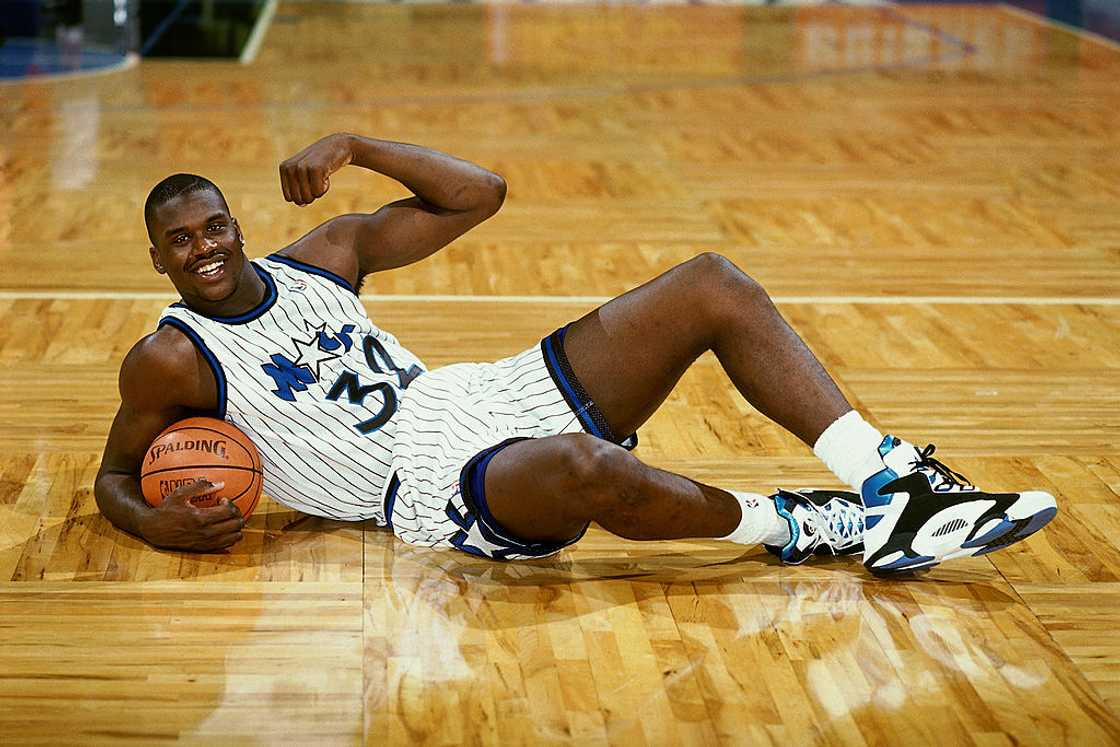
(203, 448)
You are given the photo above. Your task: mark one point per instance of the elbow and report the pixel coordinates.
(498, 184)
(105, 488)
(496, 192)
(101, 493)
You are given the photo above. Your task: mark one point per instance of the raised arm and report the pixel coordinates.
(451, 197)
(162, 380)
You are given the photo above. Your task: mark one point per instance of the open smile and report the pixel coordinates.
(210, 269)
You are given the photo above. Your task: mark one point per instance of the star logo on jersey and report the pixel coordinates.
(293, 376)
(475, 540)
(310, 353)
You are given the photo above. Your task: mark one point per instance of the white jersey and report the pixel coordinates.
(313, 382)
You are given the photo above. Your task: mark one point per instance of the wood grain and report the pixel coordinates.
(836, 153)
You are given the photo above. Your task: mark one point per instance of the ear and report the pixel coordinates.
(156, 263)
(240, 236)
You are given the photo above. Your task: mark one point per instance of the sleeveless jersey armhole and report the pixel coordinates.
(211, 359)
(313, 270)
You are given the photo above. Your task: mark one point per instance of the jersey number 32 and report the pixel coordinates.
(349, 383)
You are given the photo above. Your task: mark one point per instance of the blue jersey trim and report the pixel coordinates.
(391, 499)
(211, 359)
(254, 313)
(472, 484)
(303, 266)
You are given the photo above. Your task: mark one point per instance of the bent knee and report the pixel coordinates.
(724, 288)
(604, 481)
(587, 462)
(718, 273)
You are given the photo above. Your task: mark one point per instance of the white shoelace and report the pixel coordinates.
(845, 522)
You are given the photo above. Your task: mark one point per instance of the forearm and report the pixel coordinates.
(120, 501)
(437, 178)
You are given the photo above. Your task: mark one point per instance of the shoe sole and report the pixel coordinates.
(952, 533)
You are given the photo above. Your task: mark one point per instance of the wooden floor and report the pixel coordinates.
(932, 194)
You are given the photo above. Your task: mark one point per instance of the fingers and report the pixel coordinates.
(223, 530)
(285, 183)
(291, 184)
(303, 177)
(293, 181)
(223, 510)
(321, 183)
(303, 184)
(227, 526)
(198, 489)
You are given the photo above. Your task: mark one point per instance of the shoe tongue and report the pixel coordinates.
(901, 458)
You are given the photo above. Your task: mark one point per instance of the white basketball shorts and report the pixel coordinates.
(450, 424)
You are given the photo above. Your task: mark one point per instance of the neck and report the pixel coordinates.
(249, 293)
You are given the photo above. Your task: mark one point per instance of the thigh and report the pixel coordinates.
(630, 352)
(463, 444)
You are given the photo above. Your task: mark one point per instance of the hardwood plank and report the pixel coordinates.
(902, 152)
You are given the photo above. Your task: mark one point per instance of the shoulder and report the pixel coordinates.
(332, 246)
(165, 367)
(165, 352)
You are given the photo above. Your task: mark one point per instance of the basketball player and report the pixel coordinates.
(505, 460)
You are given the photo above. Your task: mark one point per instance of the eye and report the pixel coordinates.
(180, 239)
(215, 227)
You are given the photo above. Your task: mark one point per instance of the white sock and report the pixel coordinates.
(850, 448)
(760, 522)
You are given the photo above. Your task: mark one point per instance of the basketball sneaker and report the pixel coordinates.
(821, 522)
(920, 513)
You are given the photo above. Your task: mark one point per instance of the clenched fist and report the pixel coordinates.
(306, 176)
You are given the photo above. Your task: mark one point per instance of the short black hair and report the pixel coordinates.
(173, 186)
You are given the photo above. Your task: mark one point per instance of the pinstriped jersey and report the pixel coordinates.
(313, 382)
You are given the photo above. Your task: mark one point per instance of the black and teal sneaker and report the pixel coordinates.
(920, 513)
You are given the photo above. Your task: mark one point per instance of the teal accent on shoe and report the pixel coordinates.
(869, 491)
(887, 444)
(794, 529)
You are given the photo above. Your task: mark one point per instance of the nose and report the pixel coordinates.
(204, 244)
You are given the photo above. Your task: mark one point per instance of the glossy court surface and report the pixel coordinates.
(932, 194)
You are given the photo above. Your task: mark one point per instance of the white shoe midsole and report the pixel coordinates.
(948, 529)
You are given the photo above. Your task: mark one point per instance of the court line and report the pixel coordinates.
(595, 300)
(130, 60)
(260, 28)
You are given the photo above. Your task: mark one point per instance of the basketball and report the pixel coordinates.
(203, 448)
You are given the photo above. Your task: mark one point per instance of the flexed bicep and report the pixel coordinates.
(409, 230)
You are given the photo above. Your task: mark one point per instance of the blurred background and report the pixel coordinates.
(43, 37)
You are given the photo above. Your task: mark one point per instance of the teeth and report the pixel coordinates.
(209, 268)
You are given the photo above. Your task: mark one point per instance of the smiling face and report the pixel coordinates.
(198, 245)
